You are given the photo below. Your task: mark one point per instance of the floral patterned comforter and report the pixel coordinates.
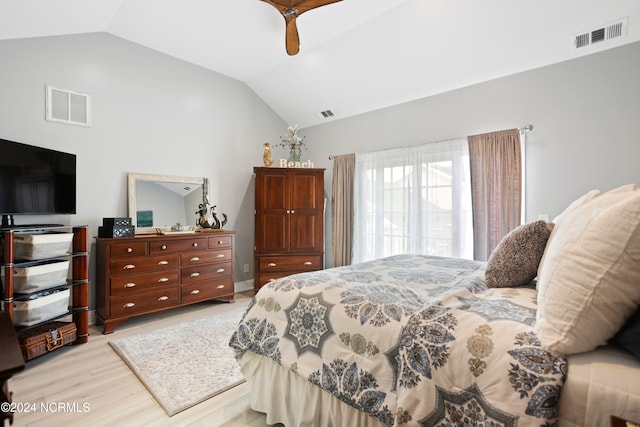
(411, 340)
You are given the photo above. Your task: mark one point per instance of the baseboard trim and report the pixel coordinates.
(246, 285)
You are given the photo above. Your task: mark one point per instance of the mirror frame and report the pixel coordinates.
(131, 187)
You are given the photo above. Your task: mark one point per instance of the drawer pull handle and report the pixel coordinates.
(163, 263)
(220, 286)
(130, 285)
(129, 267)
(220, 270)
(220, 242)
(163, 298)
(292, 211)
(271, 264)
(195, 244)
(163, 247)
(163, 279)
(220, 256)
(196, 274)
(308, 263)
(129, 305)
(129, 250)
(195, 259)
(195, 292)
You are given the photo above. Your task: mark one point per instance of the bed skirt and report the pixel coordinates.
(288, 399)
(600, 383)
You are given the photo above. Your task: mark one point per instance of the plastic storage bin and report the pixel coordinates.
(41, 246)
(39, 277)
(40, 306)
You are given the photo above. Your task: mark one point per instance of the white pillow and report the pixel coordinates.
(589, 277)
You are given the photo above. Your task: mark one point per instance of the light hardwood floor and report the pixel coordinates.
(92, 376)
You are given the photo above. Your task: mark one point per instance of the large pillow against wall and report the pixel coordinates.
(576, 204)
(588, 278)
(515, 260)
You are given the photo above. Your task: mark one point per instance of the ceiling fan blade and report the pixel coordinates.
(305, 5)
(299, 4)
(292, 39)
(290, 10)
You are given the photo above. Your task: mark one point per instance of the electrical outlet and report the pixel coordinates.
(246, 268)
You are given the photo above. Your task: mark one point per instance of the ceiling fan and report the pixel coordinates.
(290, 10)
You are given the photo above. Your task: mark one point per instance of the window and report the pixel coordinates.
(413, 200)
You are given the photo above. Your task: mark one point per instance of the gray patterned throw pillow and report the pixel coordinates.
(514, 262)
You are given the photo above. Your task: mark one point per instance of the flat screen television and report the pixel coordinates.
(35, 181)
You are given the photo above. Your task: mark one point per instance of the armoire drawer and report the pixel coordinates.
(268, 276)
(292, 262)
(145, 302)
(144, 264)
(136, 283)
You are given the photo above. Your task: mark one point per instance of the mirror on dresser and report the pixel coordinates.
(161, 201)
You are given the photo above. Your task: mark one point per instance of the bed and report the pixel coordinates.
(416, 340)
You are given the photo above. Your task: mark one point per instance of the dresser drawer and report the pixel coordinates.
(220, 241)
(295, 263)
(135, 283)
(205, 272)
(144, 264)
(168, 246)
(206, 290)
(145, 302)
(197, 258)
(128, 249)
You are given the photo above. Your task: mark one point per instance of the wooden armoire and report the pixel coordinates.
(289, 222)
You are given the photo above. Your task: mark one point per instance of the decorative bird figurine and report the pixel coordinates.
(290, 10)
(266, 156)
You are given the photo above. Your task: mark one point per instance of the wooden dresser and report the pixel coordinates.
(289, 222)
(145, 274)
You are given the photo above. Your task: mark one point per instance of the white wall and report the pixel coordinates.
(585, 114)
(151, 114)
(156, 114)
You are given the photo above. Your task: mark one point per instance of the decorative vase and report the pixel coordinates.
(294, 154)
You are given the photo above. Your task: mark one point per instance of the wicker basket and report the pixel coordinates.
(45, 338)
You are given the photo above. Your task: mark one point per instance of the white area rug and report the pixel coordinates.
(187, 363)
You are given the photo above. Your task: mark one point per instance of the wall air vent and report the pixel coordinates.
(67, 107)
(603, 33)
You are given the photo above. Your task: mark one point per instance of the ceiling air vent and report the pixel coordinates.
(600, 34)
(326, 114)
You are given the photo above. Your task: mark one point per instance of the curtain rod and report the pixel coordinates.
(525, 128)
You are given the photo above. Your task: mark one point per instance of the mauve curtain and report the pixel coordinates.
(342, 209)
(496, 188)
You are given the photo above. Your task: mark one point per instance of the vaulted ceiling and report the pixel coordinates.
(356, 55)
